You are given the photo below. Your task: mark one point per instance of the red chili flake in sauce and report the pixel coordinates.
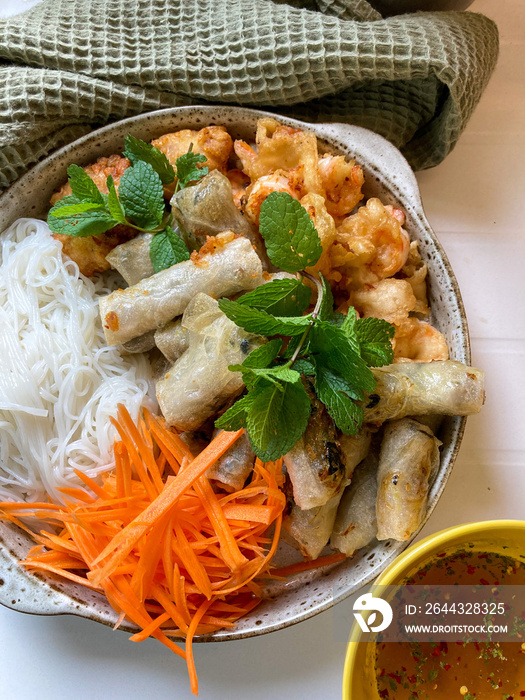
(484, 582)
(471, 569)
(447, 667)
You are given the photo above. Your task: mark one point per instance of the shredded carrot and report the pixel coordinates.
(189, 645)
(172, 556)
(255, 513)
(127, 538)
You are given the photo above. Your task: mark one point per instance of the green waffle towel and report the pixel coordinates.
(68, 66)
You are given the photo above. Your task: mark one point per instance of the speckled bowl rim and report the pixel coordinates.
(399, 186)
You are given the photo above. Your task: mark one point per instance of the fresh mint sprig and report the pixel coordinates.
(137, 150)
(292, 242)
(139, 203)
(336, 350)
(187, 170)
(166, 249)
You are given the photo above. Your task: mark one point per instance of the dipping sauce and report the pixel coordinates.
(462, 670)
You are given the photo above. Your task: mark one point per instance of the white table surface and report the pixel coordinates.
(474, 201)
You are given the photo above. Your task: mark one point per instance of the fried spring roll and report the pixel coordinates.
(311, 528)
(208, 208)
(235, 466)
(132, 259)
(141, 343)
(200, 383)
(409, 457)
(420, 388)
(356, 524)
(172, 340)
(315, 464)
(232, 267)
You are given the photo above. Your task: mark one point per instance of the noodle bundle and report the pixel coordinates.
(59, 381)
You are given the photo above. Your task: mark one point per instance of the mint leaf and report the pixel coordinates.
(374, 336)
(280, 298)
(167, 249)
(187, 170)
(329, 345)
(304, 367)
(257, 321)
(114, 207)
(348, 327)
(87, 223)
(136, 150)
(265, 355)
(275, 375)
(276, 418)
(291, 240)
(67, 210)
(338, 397)
(141, 195)
(83, 186)
(235, 417)
(370, 337)
(337, 318)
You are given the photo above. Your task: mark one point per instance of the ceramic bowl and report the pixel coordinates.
(389, 177)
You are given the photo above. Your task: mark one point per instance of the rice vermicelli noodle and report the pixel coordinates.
(59, 381)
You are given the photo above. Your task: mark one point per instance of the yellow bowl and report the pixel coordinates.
(500, 536)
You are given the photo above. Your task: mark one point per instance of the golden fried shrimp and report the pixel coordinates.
(418, 341)
(342, 182)
(415, 272)
(279, 181)
(249, 158)
(99, 171)
(214, 142)
(398, 214)
(280, 147)
(370, 245)
(90, 253)
(390, 299)
(239, 182)
(316, 207)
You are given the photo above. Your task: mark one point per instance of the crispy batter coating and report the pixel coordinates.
(214, 142)
(418, 341)
(415, 272)
(370, 245)
(342, 181)
(281, 147)
(99, 171)
(390, 299)
(279, 181)
(90, 253)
